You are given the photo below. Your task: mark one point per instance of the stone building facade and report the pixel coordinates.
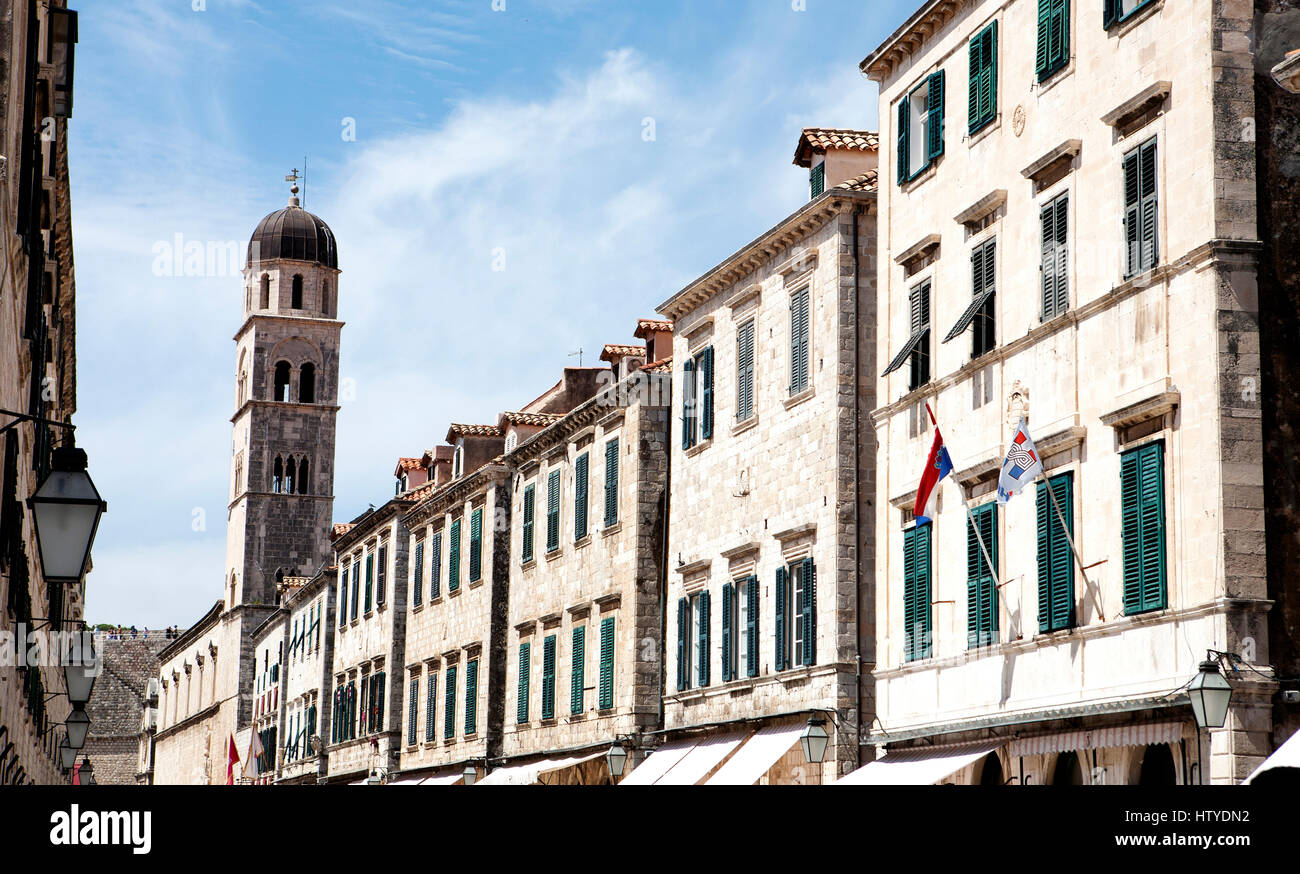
(308, 683)
(1071, 237)
(126, 691)
(269, 680)
(770, 540)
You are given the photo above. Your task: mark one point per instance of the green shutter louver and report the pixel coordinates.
(413, 711)
(578, 670)
(553, 511)
(449, 705)
(1053, 37)
(476, 546)
(356, 587)
(904, 147)
(471, 698)
(381, 578)
(417, 587)
(453, 558)
(817, 181)
(548, 678)
(343, 597)
(745, 371)
(683, 620)
(1111, 11)
(370, 581)
(751, 627)
(728, 637)
(530, 509)
(611, 483)
(782, 631)
(435, 566)
(430, 707)
(705, 364)
(525, 669)
(580, 496)
(917, 593)
(1143, 501)
(1054, 219)
(935, 127)
(606, 701)
(983, 78)
(799, 341)
(981, 580)
(809, 612)
(688, 404)
(703, 667)
(1141, 210)
(1055, 559)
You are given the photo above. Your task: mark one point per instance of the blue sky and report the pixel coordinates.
(477, 132)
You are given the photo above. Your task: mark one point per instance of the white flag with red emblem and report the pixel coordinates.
(1022, 465)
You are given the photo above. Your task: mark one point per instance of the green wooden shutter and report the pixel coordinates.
(471, 698)
(525, 668)
(343, 598)
(453, 558)
(688, 404)
(1142, 492)
(449, 705)
(683, 618)
(916, 592)
(981, 580)
(904, 151)
(751, 627)
(703, 649)
(430, 708)
(417, 596)
(381, 578)
(706, 377)
(1045, 581)
(530, 509)
(548, 678)
(1061, 556)
(553, 511)
(377, 723)
(1044, 38)
(799, 341)
(728, 656)
(413, 711)
(607, 663)
(580, 496)
(1150, 208)
(983, 78)
(1111, 10)
(745, 372)
(809, 617)
(611, 483)
(782, 632)
(476, 546)
(818, 180)
(1053, 37)
(435, 566)
(935, 107)
(1054, 221)
(578, 670)
(370, 581)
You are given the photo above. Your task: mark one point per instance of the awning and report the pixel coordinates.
(443, 780)
(922, 766)
(696, 764)
(658, 763)
(409, 781)
(1285, 756)
(527, 775)
(969, 316)
(1146, 734)
(757, 756)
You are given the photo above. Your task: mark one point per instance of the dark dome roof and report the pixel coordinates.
(295, 234)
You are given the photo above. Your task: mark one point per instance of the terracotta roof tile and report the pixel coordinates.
(410, 463)
(650, 326)
(614, 350)
(540, 419)
(418, 494)
(866, 182)
(341, 529)
(473, 431)
(819, 139)
(663, 365)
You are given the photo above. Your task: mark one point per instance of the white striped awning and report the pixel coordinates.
(1145, 734)
(530, 774)
(696, 764)
(758, 755)
(919, 766)
(444, 780)
(658, 763)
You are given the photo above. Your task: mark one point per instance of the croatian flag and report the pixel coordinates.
(1022, 465)
(937, 466)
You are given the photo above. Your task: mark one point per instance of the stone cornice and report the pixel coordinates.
(275, 317)
(908, 39)
(259, 402)
(457, 492)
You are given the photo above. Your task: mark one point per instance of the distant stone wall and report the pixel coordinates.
(117, 706)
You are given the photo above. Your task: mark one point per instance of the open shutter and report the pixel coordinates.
(548, 678)
(530, 509)
(705, 659)
(904, 122)
(745, 372)
(706, 377)
(611, 483)
(1131, 517)
(606, 663)
(525, 666)
(1111, 10)
(580, 496)
(688, 404)
(935, 128)
(1150, 208)
(476, 545)
(683, 617)
(809, 617)
(782, 632)
(449, 705)
(430, 708)
(1132, 213)
(471, 698)
(751, 627)
(577, 669)
(453, 559)
(1150, 460)
(728, 673)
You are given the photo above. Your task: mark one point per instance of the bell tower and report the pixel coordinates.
(286, 403)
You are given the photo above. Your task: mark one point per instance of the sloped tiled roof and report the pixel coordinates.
(473, 431)
(341, 529)
(539, 419)
(866, 182)
(663, 365)
(614, 350)
(820, 139)
(650, 326)
(409, 463)
(420, 493)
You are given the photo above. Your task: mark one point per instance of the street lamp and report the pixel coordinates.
(67, 756)
(78, 726)
(80, 680)
(86, 772)
(471, 775)
(1210, 693)
(66, 510)
(814, 740)
(617, 759)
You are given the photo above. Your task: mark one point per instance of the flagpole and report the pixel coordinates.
(1069, 538)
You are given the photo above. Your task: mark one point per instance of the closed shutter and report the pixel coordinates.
(381, 578)
(983, 78)
(916, 593)
(430, 707)
(580, 496)
(476, 546)
(343, 598)
(606, 663)
(981, 580)
(1141, 210)
(377, 724)
(1150, 208)
(525, 670)
(413, 711)
(818, 180)
(706, 379)
(453, 558)
(904, 150)
(728, 642)
(611, 483)
(935, 125)
(553, 511)
(1142, 492)
(705, 660)
(683, 620)
(1054, 219)
(548, 678)
(688, 404)
(370, 582)
(577, 670)
(782, 632)
(471, 698)
(751, 627)
(799, 341)
(745, 372)
(356, 587)
(435, 566)
(449, 705)
(1055, 559)
(530, 509)
(809, 617)
(417, 595)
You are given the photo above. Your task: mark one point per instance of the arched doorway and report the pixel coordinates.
(1158, 767)
(991, 773)
(1068, 771)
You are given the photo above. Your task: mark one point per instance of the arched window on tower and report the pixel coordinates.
(303, 478)
(307, 384)
(266, 291)
(296, 301)
(325, 297)
(277, 481)
(289, 475)
(281, 381)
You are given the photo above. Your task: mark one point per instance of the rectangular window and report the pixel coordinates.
(920, 128)
(417, 583)
(1055, 559)
(578, 669)
(356, 586)
(370, 581)
(983, 78)
(606, 663)
(430, 707)
(981, 311)
(818, 180)
(1053, 37)
(697, 400)
(449, 705)
(471, 698)
(1055, 220)
(476, 546)
(530, 509)
(796, 619)
(688, 403)
(1142, 493)
(611, 483)
(553, 511)
(1141, 210)
(700, 622)
(916, 351)
(580, 496)
(745, 371)
(548, 678)
(381, 577)
(435, 566)
(740, 629)
(916, 593)
(343, 597)
(683, 645)
(453, 558)
(800, 330)
(981, 577)
(413, 711)
(525, 674)
(1116, 11)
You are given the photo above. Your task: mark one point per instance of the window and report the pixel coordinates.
(266, 291)
(413, 711)
(325, 297)
(290, 476)
(981, 576)
(817, 183)
(303, 478)
(693, 640)
(1141, 210)
(1053, 37)
(1116, 11)
(512, 440)
(745, 371)
(916, 593)
(530, 510)
(453, 559)
(920, 128)
(606, 663)
(1142, 495)
(476, 547)
(471, 698)
(307, 384)
(553, 511)
(370, 581)
(578, 670)
(343, 597)
(697, 400)
(1055, 219)
(799, 335)
(449, 705)
(381, 576)
(1055, 558)
(611, 483)
(525, 671)
(281, 382)
(296, 298)
(980, 313)
(580, 496)
(377, 684)
(916, 351)
(796, 615)
(356, 585)
(430, 707)
(417, 580)
(700, 610)
(277, 476)
(548, 678)
(435, 566)
(983, 78)
(739, 608)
